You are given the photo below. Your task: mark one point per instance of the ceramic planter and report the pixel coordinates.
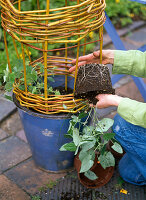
(45, 135)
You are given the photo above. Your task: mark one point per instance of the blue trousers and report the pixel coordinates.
(132, 167)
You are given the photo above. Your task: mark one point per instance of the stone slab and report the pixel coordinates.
(10, 191)
(12, 124)
(21, 135)
(13, 151)
(30, 178)
(3, 134)
(130, 45)
(131, 91)
(138, 36)
(6, 108)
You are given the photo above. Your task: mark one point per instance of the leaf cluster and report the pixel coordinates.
(124, 12)
(35, 82)
(90, 141)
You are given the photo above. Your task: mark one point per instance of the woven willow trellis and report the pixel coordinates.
(37, 29)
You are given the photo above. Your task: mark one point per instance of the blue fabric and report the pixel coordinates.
(132, 166)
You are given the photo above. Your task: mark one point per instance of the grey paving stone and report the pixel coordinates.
(6, 108)
(30, 178)
(3, 134)
(131, 46)
(138, 36)
(21, 135)
(12, 151)
(10, 191)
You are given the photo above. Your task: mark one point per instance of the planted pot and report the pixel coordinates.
(93, 79)
(45, 135)
(104, 175)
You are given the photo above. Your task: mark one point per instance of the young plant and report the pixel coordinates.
(90, 141)
(35, 83)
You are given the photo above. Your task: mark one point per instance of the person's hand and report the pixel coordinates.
(107, 58)
(106, 100)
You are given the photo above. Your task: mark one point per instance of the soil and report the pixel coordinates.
(63, 91)
(93, 79)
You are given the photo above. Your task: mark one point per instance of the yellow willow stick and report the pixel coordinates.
(51, 10)
(45, 57)
(66, 57)
(84, 51)
(23, 55)
(90, 7)
(14, 43)
(27, 52)
(38, 5)
(77, 60)
(7, 53)
(101, 42)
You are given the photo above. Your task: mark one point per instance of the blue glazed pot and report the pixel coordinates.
(45, 134)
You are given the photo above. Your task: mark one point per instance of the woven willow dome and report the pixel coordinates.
(69, 26)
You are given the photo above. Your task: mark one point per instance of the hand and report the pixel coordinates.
(106, 100)
(107, 58)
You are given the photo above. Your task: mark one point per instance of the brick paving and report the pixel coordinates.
(20, 178)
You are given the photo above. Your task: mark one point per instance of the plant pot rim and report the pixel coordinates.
(101, 181)
(36, 114)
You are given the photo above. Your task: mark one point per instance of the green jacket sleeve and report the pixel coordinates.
(132, 62)
(133, 111)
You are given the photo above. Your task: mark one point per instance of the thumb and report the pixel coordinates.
(96, 54)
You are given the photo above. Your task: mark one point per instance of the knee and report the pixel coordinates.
(129, 172)
(118, 120)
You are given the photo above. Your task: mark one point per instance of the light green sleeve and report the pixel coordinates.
(133, 111)
(132, 62)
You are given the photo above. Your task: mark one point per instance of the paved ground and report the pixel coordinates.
(20, 178)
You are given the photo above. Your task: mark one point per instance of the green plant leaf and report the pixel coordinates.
(117, 147)
(12, 77)
(88, 130)
(22, 87)
(64, 106)
(34, 90)
(108, 136)
(82, 155)
(50, 89)
(57, 92)
(76, 137)
(68, 147)
(9, 86)
(90, 175)
(88, 145)
(86, 164)
(103, 150)
(104, 124)
(77, 149)
(8, 97)
(51, 79)
(34, 75)
(67, 136)
(82, 115)
(106, 160)
(75, 119)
